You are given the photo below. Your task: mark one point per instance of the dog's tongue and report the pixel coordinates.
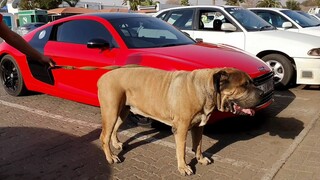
(243, 111)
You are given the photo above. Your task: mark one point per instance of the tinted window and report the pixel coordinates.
(162, 16)
(300, 19)
(181, 19)
(81, 31)
(249, 20)
(271, 17)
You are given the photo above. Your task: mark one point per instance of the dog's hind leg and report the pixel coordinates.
(122, 117)
(196, 133)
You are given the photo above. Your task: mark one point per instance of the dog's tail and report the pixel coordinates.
(111, 67)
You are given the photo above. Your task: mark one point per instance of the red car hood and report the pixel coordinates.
(204, 55)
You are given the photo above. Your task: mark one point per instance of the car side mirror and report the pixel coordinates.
(286, 25)
(228, 27)
(98, 43)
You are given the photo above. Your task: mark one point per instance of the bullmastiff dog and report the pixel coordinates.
(181, 99)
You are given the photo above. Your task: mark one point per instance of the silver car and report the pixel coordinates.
(24, 29)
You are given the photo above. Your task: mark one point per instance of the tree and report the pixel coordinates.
(41, 4)
(293, 4)
(3, 3)
(233, 2)
(133, 4)
(184, 3)
(72, 3)
(49, 4)
(269, 3)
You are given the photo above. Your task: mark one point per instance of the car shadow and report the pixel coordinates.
(36, 153)
(233, 130)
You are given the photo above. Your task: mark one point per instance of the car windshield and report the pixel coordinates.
(149, 32)
(249, 20)
(302, 20)
(309, 16)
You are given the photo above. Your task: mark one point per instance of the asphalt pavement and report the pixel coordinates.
(44, 137)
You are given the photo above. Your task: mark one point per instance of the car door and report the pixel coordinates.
(68, 46)
(212, 20)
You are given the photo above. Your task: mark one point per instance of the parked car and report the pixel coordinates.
(294, 57)
(287, 19)
(101, 40)
(313, 17)
(26, 28)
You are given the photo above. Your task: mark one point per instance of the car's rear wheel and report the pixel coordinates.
(282, 68)
(11, 77)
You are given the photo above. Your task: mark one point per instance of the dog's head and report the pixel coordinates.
(235, 91)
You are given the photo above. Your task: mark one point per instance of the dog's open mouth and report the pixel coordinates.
(236, 109)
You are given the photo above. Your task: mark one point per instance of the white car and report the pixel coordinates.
(287, 19)
(292, 56)
(313, 17)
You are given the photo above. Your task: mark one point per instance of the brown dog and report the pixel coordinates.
(181, 99)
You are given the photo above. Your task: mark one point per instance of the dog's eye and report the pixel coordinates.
(246, 83)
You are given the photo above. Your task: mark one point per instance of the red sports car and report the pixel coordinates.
(104, 39)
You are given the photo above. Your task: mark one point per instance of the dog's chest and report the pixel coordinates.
(201, 118)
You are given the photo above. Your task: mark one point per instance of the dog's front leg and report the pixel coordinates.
(196, 133)
(180, 135)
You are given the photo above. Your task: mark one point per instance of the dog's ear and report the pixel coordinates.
(219, 80)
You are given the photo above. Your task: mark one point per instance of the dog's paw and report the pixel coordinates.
(113, 159)
(204, 161)
(117, 145)
(185, 170)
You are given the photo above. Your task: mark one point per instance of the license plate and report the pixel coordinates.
(267, 86)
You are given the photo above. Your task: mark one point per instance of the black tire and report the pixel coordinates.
(11, 77)
(282, 68)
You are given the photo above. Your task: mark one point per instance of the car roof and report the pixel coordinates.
(200, 6)
(268, 8)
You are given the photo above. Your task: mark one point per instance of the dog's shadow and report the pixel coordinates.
(156, 132)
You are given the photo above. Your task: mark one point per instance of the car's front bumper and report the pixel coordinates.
(308, 70)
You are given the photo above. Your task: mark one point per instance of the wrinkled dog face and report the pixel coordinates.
(238, 94)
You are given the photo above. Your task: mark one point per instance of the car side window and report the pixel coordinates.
(181, 19)
(162, 15)
(82, 31)
(272, 18)
(211, 20)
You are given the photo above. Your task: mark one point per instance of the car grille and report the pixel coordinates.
(258, 81)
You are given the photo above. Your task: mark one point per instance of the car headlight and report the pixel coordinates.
(314, 52)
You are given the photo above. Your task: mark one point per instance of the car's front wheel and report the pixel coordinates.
(11, 77)
(282, 68)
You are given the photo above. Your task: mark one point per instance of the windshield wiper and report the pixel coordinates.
(173, 44)
(267, 28)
